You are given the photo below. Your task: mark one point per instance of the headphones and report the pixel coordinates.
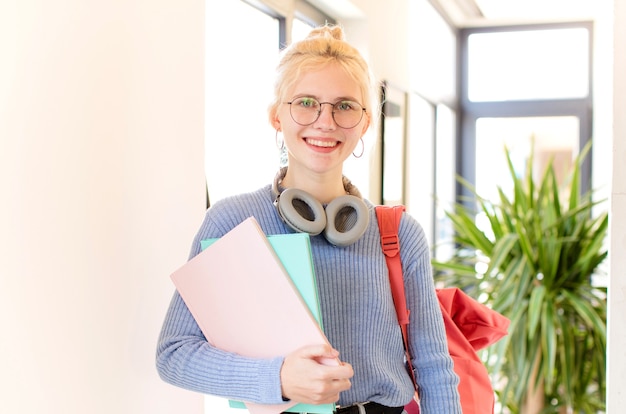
(343, 221)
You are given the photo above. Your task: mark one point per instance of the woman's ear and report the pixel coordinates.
(276, 124)
(366, 125)
(274, 120)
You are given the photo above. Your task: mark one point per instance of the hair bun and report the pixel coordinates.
(328, 30)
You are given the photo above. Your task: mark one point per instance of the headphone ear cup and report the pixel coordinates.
(295, 217)
(337, 208)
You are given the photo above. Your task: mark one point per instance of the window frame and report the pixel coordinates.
(470, 111)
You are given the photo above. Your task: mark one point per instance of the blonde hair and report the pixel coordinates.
(324, 45)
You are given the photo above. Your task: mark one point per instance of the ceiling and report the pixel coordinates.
(467, 13)
(489, 12)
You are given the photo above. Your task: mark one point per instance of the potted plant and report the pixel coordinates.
(533, 262)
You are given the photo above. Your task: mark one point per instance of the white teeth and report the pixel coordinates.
(319, 143)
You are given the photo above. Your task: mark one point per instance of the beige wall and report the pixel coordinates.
(616, 378)
(101, 166)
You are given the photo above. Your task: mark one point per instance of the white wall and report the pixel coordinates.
(616, 377)
(385, 23)
(101, 171)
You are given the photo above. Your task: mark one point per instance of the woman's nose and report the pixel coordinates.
(326, 118)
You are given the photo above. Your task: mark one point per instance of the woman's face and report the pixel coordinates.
(322, 146)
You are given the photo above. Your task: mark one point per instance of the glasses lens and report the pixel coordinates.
(347, 114)
(305, 111)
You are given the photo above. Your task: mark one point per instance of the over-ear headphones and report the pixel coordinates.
(343, 221)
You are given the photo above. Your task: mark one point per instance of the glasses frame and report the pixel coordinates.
(363, 110)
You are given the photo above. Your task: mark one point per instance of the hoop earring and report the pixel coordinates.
(362, 149)
(277, 141)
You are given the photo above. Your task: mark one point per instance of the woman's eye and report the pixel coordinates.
(308, 103)
(344, 106)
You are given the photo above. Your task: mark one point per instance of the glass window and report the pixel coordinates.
(525, 86)
(300, 29)
(393, 144)
(420, 174)
(528, 64)
(238, 89)
(445, 182)
(553, 137)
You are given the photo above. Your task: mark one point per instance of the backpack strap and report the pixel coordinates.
(388, 223)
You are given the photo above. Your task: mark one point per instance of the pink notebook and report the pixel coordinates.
(244, 302)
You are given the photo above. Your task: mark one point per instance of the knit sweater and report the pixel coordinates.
(357, 312)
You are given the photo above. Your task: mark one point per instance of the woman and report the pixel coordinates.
(323, 106)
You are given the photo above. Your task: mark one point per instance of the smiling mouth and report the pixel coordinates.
(321, 143)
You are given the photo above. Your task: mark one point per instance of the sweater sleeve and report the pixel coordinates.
(185, 358)
(437, 381)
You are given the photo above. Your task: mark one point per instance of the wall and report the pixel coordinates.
(616, 376)
(101, 171)
(372, 34)
(386, 23)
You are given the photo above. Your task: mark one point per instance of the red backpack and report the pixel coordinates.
(470, 325)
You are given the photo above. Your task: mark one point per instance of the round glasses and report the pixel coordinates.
(346, 114)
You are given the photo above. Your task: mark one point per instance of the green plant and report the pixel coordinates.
(534, 263)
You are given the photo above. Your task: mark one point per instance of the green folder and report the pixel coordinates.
(294, 252)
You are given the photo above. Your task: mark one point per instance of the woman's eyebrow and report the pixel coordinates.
(316, 97)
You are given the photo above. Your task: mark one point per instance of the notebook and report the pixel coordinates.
(245, 302)
(294, 252)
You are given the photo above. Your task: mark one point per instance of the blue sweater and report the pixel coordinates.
(357, 310)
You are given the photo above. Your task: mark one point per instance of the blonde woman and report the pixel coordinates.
(322, 109)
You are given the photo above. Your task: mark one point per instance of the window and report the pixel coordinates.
(300, 29)
(239, 71)
(445, 182)
(555, 137)
(524, 84)
(528, 64)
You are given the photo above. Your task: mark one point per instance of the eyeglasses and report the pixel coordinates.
(346, 114)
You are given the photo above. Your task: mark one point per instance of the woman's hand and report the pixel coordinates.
(306, 377)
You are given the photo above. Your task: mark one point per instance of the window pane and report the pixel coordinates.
(238, 136)
(525, 65)
(299, 30)
(553, 137)
(394, 138)
(420, 166)
(445, 182)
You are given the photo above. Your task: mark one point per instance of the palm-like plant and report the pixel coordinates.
(538, 255)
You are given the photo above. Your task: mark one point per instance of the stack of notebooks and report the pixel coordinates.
(256, 296)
